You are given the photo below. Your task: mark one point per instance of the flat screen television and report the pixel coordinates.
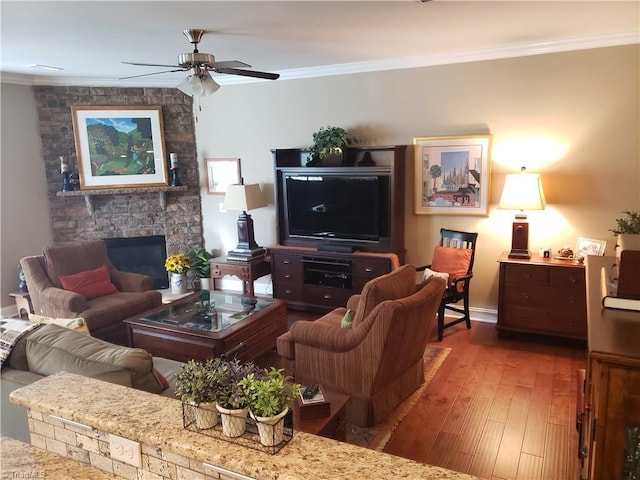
(335, 208)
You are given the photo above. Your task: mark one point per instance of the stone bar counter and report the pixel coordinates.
(76, 417)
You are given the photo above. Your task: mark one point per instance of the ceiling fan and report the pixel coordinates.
(199, 81)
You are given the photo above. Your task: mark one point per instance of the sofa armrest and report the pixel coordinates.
(353, 302)
(130, 281)
(65, 302)
(324, 336)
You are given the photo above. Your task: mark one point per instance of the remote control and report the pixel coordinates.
(310, 391)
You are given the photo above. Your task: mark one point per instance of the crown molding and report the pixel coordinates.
(524, 50)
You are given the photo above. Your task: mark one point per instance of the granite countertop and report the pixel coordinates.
(22, 460)
(157, 421)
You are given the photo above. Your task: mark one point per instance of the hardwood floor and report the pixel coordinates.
(497, 408)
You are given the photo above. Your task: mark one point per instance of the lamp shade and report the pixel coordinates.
(243, 197)
(522, 191)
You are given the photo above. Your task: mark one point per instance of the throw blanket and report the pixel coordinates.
(10, 332)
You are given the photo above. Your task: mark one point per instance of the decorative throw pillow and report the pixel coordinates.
(90, 284)
(428, 273)
(347, 319)
(71, 323)
(454, 261)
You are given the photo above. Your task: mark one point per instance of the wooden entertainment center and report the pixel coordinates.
(315, 272)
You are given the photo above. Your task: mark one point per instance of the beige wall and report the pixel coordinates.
(24, 211)
(574, 117)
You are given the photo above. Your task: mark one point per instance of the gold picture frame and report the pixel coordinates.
(222, 172)
(452, 175)
(119, 147)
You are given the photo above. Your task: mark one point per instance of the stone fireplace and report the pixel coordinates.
(129, 213)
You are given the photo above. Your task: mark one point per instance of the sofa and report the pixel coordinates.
(376, 357)
(51, 348)
(95, 290)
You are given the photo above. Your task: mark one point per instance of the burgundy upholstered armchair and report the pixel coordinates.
(103, 314)
(378, 362)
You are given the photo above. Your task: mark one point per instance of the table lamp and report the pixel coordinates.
(522, 191)
(244, 197)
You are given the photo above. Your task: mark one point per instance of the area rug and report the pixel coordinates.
(377, 436)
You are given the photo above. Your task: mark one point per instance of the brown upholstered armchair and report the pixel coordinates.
(104, 314)
(379, 360)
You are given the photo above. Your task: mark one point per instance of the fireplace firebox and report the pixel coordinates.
(144, 255)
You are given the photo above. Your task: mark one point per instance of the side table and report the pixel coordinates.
(23, 302)
(331, 426)
(247, 271)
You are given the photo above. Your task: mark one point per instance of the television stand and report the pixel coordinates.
(314, 280)
(335, 248)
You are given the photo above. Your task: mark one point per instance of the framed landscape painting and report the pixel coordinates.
(452, 175)
(119, 147)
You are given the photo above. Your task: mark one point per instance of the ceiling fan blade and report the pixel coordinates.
(248, 73)
(227, 64)
(154, 73)
(150, 64)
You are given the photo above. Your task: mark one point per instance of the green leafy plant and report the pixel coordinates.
(628, 224)
(199, 258)
(228, 391)
(329, 141)
(268, 392)
(195, 381)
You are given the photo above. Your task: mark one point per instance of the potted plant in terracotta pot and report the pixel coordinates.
(199, 259)
(328, 146)
(230, 400)
(267, 394)
(195, 386)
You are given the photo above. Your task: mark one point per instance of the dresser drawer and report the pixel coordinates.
(288, 290)
(365, 270)
(326, 296)
(567, 278)
(545, 321)
(526, 275)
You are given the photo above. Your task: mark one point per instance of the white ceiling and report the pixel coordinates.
(89, 39)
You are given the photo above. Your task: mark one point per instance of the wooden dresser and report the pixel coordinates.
(610, 434)
(542, 295)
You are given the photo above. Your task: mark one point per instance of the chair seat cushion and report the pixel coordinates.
(90, 283)
(454, 261)
(104, 311)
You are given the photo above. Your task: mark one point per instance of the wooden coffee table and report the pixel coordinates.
(185, 329)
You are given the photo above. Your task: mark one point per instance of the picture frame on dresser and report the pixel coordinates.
(119, 147)
(589, 246)
(452, 175)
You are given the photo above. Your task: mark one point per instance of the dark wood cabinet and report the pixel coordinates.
(610, 435)
(542, 295)
(314, 280)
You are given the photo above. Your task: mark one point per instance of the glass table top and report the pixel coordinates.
(210, 311)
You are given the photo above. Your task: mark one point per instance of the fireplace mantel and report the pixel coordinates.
(89, 194)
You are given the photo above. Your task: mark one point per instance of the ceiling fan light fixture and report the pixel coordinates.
(199, 83)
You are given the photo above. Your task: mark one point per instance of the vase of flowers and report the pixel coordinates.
(177, 266)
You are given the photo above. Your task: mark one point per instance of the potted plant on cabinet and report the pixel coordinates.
(195, 386)
(230, 400)
(267, 394)
(627, 232)
(199, 258)
(329, 143)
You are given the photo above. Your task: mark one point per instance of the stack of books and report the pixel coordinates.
(624, 292)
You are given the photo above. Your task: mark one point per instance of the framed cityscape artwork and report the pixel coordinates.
(452, 175)
(119, 147)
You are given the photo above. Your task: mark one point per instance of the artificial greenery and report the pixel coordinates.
(195, 381)
(228, 392)
(268, 392)
(629, 224)
(199, 258)
(329, 141)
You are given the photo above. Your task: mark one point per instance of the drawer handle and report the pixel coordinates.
(326, 296)
(287, 276)
(527, 276)
(288, 292)
(369, 269)
(572, 280)
(525, 296)
(286, 262)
